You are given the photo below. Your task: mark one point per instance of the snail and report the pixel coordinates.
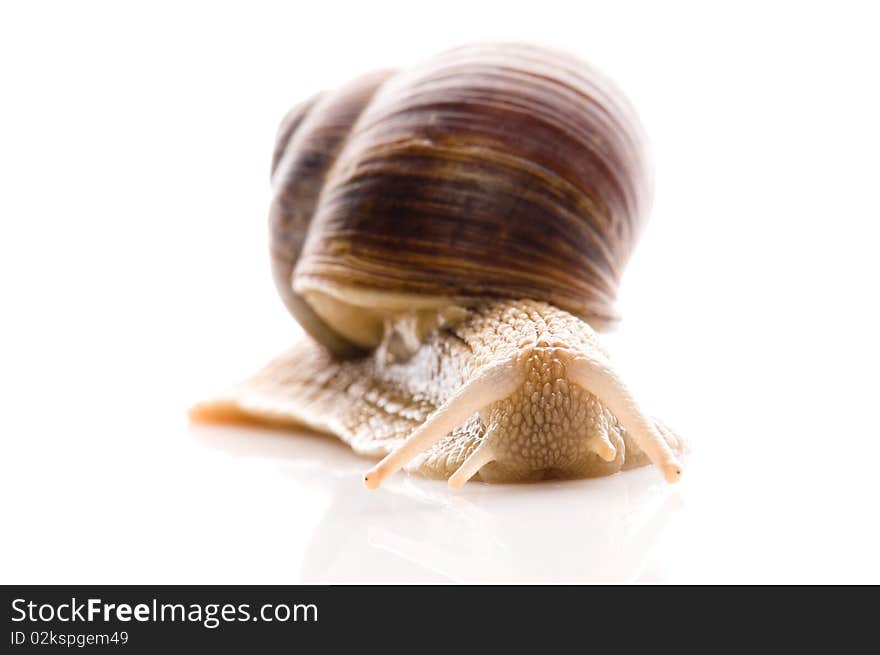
(450, 237)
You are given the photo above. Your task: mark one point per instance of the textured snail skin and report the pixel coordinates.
(450, 236)
(548, 427)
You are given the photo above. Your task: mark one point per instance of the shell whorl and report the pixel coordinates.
(308, 142)
(489, 171)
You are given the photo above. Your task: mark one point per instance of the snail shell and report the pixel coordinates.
(451, 235)
(501, 171)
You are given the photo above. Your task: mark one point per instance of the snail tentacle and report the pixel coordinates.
(603, 447)
(475, 461)
(600, 379)
(491, 385)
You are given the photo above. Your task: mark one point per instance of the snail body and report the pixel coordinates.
(449, 237)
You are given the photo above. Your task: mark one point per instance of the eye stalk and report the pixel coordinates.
(599, 378)
(490, 385)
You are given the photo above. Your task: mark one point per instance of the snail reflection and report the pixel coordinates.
(571, 531)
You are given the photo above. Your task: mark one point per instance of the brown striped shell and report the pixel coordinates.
(489, 171)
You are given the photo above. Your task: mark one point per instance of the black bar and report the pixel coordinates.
(386, 619)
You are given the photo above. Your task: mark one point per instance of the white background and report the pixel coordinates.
(134, 154)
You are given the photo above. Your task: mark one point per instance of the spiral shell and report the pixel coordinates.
(490, 171)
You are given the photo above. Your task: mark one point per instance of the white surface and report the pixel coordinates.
(134, 150)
